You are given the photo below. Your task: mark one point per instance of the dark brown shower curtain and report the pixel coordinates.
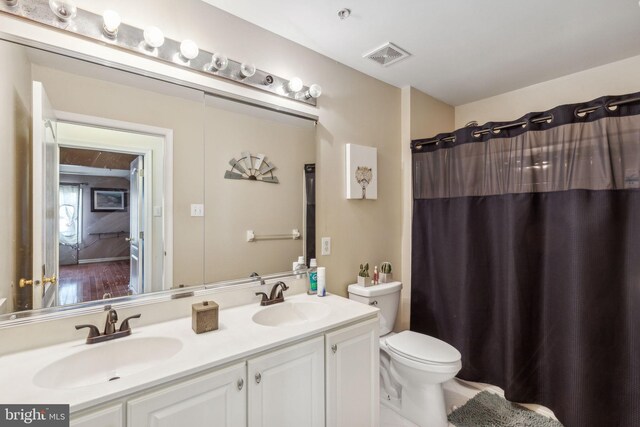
(526, 256)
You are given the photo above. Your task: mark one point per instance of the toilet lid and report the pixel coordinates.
(422, 347)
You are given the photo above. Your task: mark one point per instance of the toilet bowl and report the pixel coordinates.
(413, 366)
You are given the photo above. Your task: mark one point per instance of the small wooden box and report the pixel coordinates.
(204, 317)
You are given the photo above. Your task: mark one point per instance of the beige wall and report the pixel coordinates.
(422, 116)
(235, 206)
(15, 125)
(616, 78)
(184, 115)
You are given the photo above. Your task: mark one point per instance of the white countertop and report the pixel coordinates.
(237, 338)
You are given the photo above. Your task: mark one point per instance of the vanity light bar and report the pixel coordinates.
(108, 29)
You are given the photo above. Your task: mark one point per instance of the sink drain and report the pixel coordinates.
(114, 378)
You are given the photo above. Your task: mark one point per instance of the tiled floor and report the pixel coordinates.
(456, 394)
(90, 282)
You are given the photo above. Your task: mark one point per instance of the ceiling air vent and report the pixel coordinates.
(387, 54)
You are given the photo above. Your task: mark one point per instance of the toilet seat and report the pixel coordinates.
(422, 349)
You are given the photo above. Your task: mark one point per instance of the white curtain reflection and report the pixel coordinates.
(69, 214)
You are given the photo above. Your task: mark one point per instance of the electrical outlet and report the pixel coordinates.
(326, 246)
(197, 210)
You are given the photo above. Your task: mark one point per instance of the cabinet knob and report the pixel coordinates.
(334, 348)
(240, 384)
(258, 378)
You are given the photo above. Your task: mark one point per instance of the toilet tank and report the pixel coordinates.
(385, 296)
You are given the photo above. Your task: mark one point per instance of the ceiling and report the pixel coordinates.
(463, 50)
(95, 158)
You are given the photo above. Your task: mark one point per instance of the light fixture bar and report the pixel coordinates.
(91, 26)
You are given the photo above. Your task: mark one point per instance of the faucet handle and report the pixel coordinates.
(93, 330)
(124, 326)
(265, 297)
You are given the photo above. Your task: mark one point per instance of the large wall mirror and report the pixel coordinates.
(117, 185)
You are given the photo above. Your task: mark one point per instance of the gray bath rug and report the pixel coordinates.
(490, 410)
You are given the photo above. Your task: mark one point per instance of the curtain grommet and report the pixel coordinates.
(609, 107)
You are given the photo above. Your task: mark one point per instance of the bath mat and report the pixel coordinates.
(490, 410)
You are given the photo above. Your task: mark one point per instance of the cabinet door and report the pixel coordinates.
(353, 376)
(107, 417)
(217, 399)
(286, 387)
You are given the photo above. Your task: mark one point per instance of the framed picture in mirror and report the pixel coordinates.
(108, 200)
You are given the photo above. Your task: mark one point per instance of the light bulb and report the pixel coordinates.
(111, 23)
(294, 85)
(218, 62)
(189, 50)
(153, 37)
(63, 9)
(247, 70)
(314, 91)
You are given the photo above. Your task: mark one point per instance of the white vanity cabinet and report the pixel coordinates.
(286, 387)
(111, 416)
(352, 375)
(217, 399)
(328, 380)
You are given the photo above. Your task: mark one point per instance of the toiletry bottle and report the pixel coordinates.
(322, 281)
(375, 275)
(313, 276)
(299, 265)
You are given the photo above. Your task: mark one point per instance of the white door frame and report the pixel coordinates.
(167, 200)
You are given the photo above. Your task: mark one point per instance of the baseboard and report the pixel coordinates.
(97, 260)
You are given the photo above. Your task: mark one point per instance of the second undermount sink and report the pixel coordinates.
(110, 361)
(291, 313)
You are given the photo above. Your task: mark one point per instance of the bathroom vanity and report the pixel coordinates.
(308, 361)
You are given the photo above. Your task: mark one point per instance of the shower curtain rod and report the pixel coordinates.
(547, 118)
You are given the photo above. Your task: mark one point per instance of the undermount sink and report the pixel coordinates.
(110, 361)
(291, 313)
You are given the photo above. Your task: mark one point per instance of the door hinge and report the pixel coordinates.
(141, 173)
(142, 235)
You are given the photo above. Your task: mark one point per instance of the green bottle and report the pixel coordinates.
(313, 276)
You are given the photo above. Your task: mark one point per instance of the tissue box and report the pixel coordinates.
(204, 317)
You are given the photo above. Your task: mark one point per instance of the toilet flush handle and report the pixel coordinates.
(374, 302)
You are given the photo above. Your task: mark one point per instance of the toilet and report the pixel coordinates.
(413, 366)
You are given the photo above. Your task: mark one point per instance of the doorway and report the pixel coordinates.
(100, 225)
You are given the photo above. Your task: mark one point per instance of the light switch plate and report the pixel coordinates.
(326, 246)
(197, 210)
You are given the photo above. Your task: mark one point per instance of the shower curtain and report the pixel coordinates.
(526, 256)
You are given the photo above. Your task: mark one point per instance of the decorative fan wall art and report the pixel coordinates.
(252, 168)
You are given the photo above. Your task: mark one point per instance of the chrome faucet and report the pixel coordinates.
(276, 295)
(110, 332)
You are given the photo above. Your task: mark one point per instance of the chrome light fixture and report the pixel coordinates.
(247, 70)
(111, 23)
(314, 91)
(65, 10)
(218, 62)
(109, 28)
(188, 50)
(294, 85)
(153, 39)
